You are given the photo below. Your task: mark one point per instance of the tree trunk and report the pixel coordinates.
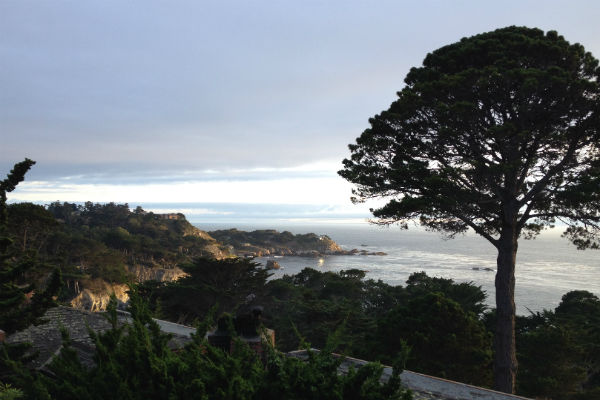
(505, 362)
(24, 240)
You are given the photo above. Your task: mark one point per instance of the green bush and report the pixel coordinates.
(7, 392)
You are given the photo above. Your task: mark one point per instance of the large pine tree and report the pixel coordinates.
(497, 133)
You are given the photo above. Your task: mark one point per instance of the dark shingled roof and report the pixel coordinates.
(46, 338)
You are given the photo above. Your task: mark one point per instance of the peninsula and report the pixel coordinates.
(269, 242)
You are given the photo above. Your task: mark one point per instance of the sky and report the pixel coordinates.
(225, 106)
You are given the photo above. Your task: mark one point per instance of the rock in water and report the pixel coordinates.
(272, 264)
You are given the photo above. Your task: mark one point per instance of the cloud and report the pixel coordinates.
(118, 99)
(148, 173)
(89, 87)
(283, 191)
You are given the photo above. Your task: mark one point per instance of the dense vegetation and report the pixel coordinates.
(139, 236)
(439, 320)
(559, 351)
(435, 325)
(98, 242)
(135, 362)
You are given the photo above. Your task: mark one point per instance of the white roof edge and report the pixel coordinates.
(451, 389)
(443, 388)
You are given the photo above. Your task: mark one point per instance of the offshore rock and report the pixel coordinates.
(272, 264)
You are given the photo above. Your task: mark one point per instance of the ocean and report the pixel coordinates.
(547, 267)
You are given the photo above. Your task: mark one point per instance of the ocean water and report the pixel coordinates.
(547, 267)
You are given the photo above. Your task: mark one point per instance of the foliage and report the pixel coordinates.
(559, 351)
(317, 378)
(7, 392)
(316, 303)
(16, 176)
(373, 321)
(100, 241)
(137, 237)
(30, 225)
(553, 373)
(271, 241)
(135, 362)
(22, 301)
(512, 106)
(497, 133)
(444, 339)
(470, 297)
(225, 284)
(308, 306)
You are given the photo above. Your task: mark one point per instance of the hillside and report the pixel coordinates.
(100, 247)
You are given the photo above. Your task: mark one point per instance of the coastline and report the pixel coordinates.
(547, 267)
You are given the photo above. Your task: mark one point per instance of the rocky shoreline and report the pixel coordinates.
(94, 294)
(317, 254)
(269, 242)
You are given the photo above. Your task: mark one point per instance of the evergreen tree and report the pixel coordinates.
(497, 133)
(21, 303)
(571, 370)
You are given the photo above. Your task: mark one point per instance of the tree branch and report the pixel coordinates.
(541, 184)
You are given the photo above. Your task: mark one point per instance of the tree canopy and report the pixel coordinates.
(498, 133)
(21, 301)
(501, 117)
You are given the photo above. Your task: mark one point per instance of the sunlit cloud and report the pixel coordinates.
(275, 191)
(220, 102)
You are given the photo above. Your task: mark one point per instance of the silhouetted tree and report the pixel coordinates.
(497, 133)
(21, 304)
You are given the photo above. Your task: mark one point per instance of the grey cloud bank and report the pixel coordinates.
(144, 91)
(202, 86)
